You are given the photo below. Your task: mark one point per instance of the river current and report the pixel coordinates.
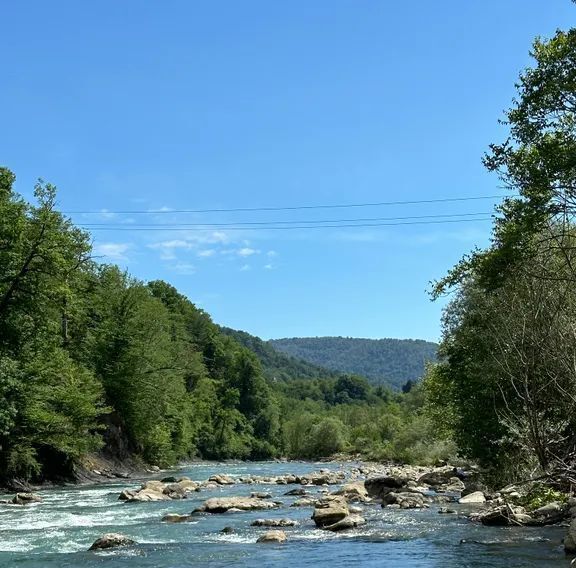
(57, 532)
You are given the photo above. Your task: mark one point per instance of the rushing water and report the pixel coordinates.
(57, 532)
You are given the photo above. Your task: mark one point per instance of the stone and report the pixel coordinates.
(349, 522)
(437, 477)
(330, 510)
(297, 491)
(260, 495)
(174, 518)
(273, 523)
(26, 498)
(222, 479)
(228, 530)
(570, 539)
(380, 486)
(224, 504)
(273, 537)
(455, 485)
(405, 500)
(111, 540)
(354, 492)
(473, 498)
(305, 502)
(446, 511)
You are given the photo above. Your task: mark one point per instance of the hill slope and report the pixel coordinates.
(275, 364)
(383, 361)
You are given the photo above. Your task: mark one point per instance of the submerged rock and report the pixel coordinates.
(228, 530)
(111, 540)
(273, 523)
(175, 518)
(273, 537)
(329, 511)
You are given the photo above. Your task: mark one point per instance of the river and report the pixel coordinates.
(58, 531)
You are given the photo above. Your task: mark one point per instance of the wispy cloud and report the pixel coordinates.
(112, 251)
(247, 251)
(271, 254)
(244, 268)
(183, 268)
(206, 253)
(269, 267)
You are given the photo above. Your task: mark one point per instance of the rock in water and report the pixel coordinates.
(475, 497)
(354, 492)
(111, 540)
(570, 540)
(349, 522)
(223, 504)
(380, 486)
(175, 518)
(329, 511)
(273, 537)
(273, 523)
(26, 498)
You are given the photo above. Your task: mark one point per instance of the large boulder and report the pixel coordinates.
(570, 539)
(224, 504)
(440, 476)
(349, 522)
(222, 479)
(330, 510)
(380, 486)
(473, 498)
(273, 537)
(505, 515)
(111, 540)
(322, 477)
(354, 492)
(405, 500)
(454, 485)
(26, 498)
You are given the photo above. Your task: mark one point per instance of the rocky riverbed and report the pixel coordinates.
(265, 514)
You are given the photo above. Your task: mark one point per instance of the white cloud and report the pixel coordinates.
(112, 251)
(168, 248)
(247, 251)
(206, 253)
(244, 267)
(269, 267)
(271, 253)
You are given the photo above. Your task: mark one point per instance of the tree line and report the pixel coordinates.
(95, 360)
(505, 387)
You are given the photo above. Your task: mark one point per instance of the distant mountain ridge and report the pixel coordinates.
(275, 364)
(383, 361)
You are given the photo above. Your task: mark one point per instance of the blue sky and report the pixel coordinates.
(155, 106)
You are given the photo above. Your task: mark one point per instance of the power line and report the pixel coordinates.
(290, 208)
(272, 223)
(236, 228)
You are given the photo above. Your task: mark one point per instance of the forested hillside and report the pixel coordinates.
(384, 361)
(94, 360)
(277, 365)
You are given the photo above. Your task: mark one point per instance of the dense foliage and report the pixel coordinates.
(505, 387)
(92, 359)
(275, 364)
(390, 362)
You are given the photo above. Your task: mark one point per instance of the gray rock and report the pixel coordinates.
(273, 537)
(330, 510)
(174, 518)
(224, 504)
(26, 498)
(473, 498)
(111, 540)
(349, 522)
(273, 523)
